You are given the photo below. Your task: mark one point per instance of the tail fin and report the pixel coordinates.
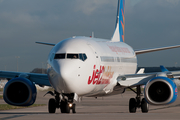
(120, 22)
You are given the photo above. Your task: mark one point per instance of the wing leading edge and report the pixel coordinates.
(155, 49)
(40, 79)
(141, 79)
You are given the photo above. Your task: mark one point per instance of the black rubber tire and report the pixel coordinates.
(64, 107)
(52, 105)
(144, 106)
(132, 105)
(74, 108)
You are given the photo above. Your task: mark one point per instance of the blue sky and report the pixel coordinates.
(149, 23)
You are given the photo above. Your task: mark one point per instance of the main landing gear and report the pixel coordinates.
(137, 102)
(65, 103)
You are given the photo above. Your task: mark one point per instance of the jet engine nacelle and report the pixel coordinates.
(19, 92)
(160, 91)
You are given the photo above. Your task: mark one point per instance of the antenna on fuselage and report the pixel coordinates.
(92, 36)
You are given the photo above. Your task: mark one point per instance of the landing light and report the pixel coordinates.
(70, 105)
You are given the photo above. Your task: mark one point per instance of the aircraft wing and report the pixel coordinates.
(134, 79)
(142, 79)
(155, 49)
(40, 79)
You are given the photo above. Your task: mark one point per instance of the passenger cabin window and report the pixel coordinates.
(107, 59)
(59, 56)
(118, 59)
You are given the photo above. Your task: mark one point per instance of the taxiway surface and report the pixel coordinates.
(107, 108)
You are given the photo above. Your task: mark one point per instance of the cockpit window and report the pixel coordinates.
(59, 56)
(83, 57)
(73, 56)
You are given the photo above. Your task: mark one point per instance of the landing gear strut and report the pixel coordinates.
(135, 103)
(65, 103)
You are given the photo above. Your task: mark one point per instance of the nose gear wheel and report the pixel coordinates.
(65, 104)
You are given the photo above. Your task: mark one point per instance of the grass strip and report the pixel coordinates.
(1, 89)
(9, 107)
(1, 96)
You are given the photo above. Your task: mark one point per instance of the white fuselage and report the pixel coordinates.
(89, 66)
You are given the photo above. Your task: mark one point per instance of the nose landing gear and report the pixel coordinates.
(65, 107)
(65, 103)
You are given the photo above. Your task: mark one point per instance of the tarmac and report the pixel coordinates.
(106, 108)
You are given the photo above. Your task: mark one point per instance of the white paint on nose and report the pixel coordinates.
(68, 73)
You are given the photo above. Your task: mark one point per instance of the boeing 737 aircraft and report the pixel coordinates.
(92, 67)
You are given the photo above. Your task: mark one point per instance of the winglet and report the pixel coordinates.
(120, 22)
(163, 69)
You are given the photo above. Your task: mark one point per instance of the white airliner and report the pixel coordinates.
(92, 67)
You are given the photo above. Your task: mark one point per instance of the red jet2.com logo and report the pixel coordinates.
(100, 76)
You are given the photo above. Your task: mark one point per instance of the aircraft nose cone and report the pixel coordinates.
(67, 73)
(64, 72)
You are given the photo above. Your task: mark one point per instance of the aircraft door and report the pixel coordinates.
(97, 57)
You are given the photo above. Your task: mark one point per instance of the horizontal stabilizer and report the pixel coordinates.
(141, 71)
(50, 44)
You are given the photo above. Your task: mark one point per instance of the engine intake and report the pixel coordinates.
(160, 91)
(19, 92)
